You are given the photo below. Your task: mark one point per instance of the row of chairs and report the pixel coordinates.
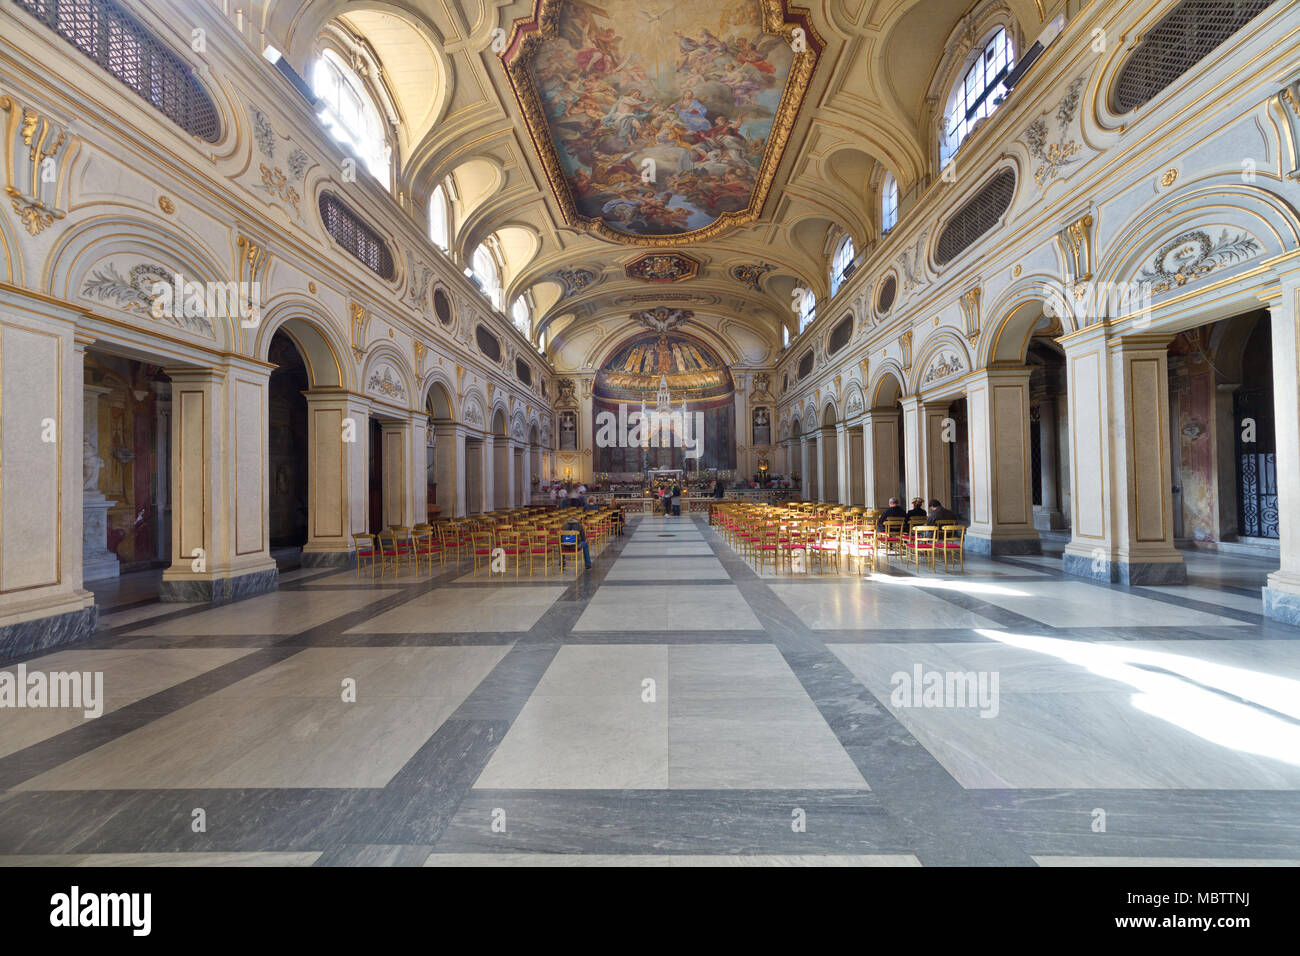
(519, 538)
(796, 538)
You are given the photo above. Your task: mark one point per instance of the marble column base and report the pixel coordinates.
(1124, 572)
(1049, 521)
(219, 590)
(980, 544)
(1282, 606)
(329, 559)
(28, 636)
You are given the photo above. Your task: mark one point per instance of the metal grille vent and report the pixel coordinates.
(980, 214)
(523, 372)
(442, 306)
(122, 45)
(350, 232)
(840, 335)
(888, 290)
(1186, 35)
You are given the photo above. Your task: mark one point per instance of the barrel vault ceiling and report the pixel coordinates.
(867, 107)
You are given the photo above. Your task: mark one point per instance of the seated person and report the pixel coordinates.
(893, 511)
(574, 524)
(916, 511)
(939, 513)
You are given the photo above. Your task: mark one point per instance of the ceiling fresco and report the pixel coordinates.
(660, 121)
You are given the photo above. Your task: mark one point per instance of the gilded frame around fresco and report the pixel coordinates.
(779, 19)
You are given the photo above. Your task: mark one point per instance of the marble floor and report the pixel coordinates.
(672, 707)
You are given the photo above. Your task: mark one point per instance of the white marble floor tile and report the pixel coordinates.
(1167, 720)
(839, 604)
(307, 737)
(448, 610)
(142, 613)
(667, 569)
(1077, 604)
(1240, 602)
(644, 549)
(129, 675)
(724, 716)
(280, 612)
(667, 607)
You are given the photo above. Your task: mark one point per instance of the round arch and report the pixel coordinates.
(887, 386)
(315, 337)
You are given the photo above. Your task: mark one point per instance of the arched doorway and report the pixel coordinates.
(445, 454)
(287, 452)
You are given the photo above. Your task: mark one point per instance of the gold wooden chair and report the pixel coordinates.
(367, 549)
(922, 544)
(951, 542)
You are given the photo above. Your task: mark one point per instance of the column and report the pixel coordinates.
(337, 476)
(854, 454)
(1282, 594)
(450, 466)
(162, 513)
(1002, 503)
(1047, 517)
(97, 562)
(913, 458)
(399, 442)
(880, 456)
(805, 463)
(826, 465)
(487, 469)
(526, 475)
(843, 466)
(42, 369)
(220, 538)
(937, 433)
(1119, 433)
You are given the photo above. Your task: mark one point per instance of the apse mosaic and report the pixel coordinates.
(659, 119)
(689, 368)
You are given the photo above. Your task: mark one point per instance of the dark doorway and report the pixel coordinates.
(375, 449)
(959, 461)
(287, 460)
(1253, 419)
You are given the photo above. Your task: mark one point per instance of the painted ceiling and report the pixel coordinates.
(660, 121)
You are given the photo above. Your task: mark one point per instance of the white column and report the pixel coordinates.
(880, 456)
(1048, 515)
(913, 456)
(338, 476)
(805, 463)
(1001, 491)
(843, 468)
(450, 466)
(1282, 595)
(220, 538)
(1119, 432)
(487, 472)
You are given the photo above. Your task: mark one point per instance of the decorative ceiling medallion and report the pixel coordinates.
(572, 281)
(653, 129)
(662, 267)
(751, 273)
(663, 318)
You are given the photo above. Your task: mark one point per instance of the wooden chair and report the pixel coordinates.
(394, 550)
(481, 548)
(894, 539)
(571, 548)
(367, 549)
(426, 546)
(952, 538)
(539, 548)
(768, 545)
(826, 546)
(922, 544)
(513, 546)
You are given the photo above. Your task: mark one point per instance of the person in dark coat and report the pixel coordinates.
(939, 513)
(916, 511)
(893, 511)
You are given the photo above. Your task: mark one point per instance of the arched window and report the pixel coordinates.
(807, 309)
(350, 115)
(889, 203)
(842, 264)
(978, 92)
(483, 269)
(440, 218)
(522, 315)
(785, 335)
